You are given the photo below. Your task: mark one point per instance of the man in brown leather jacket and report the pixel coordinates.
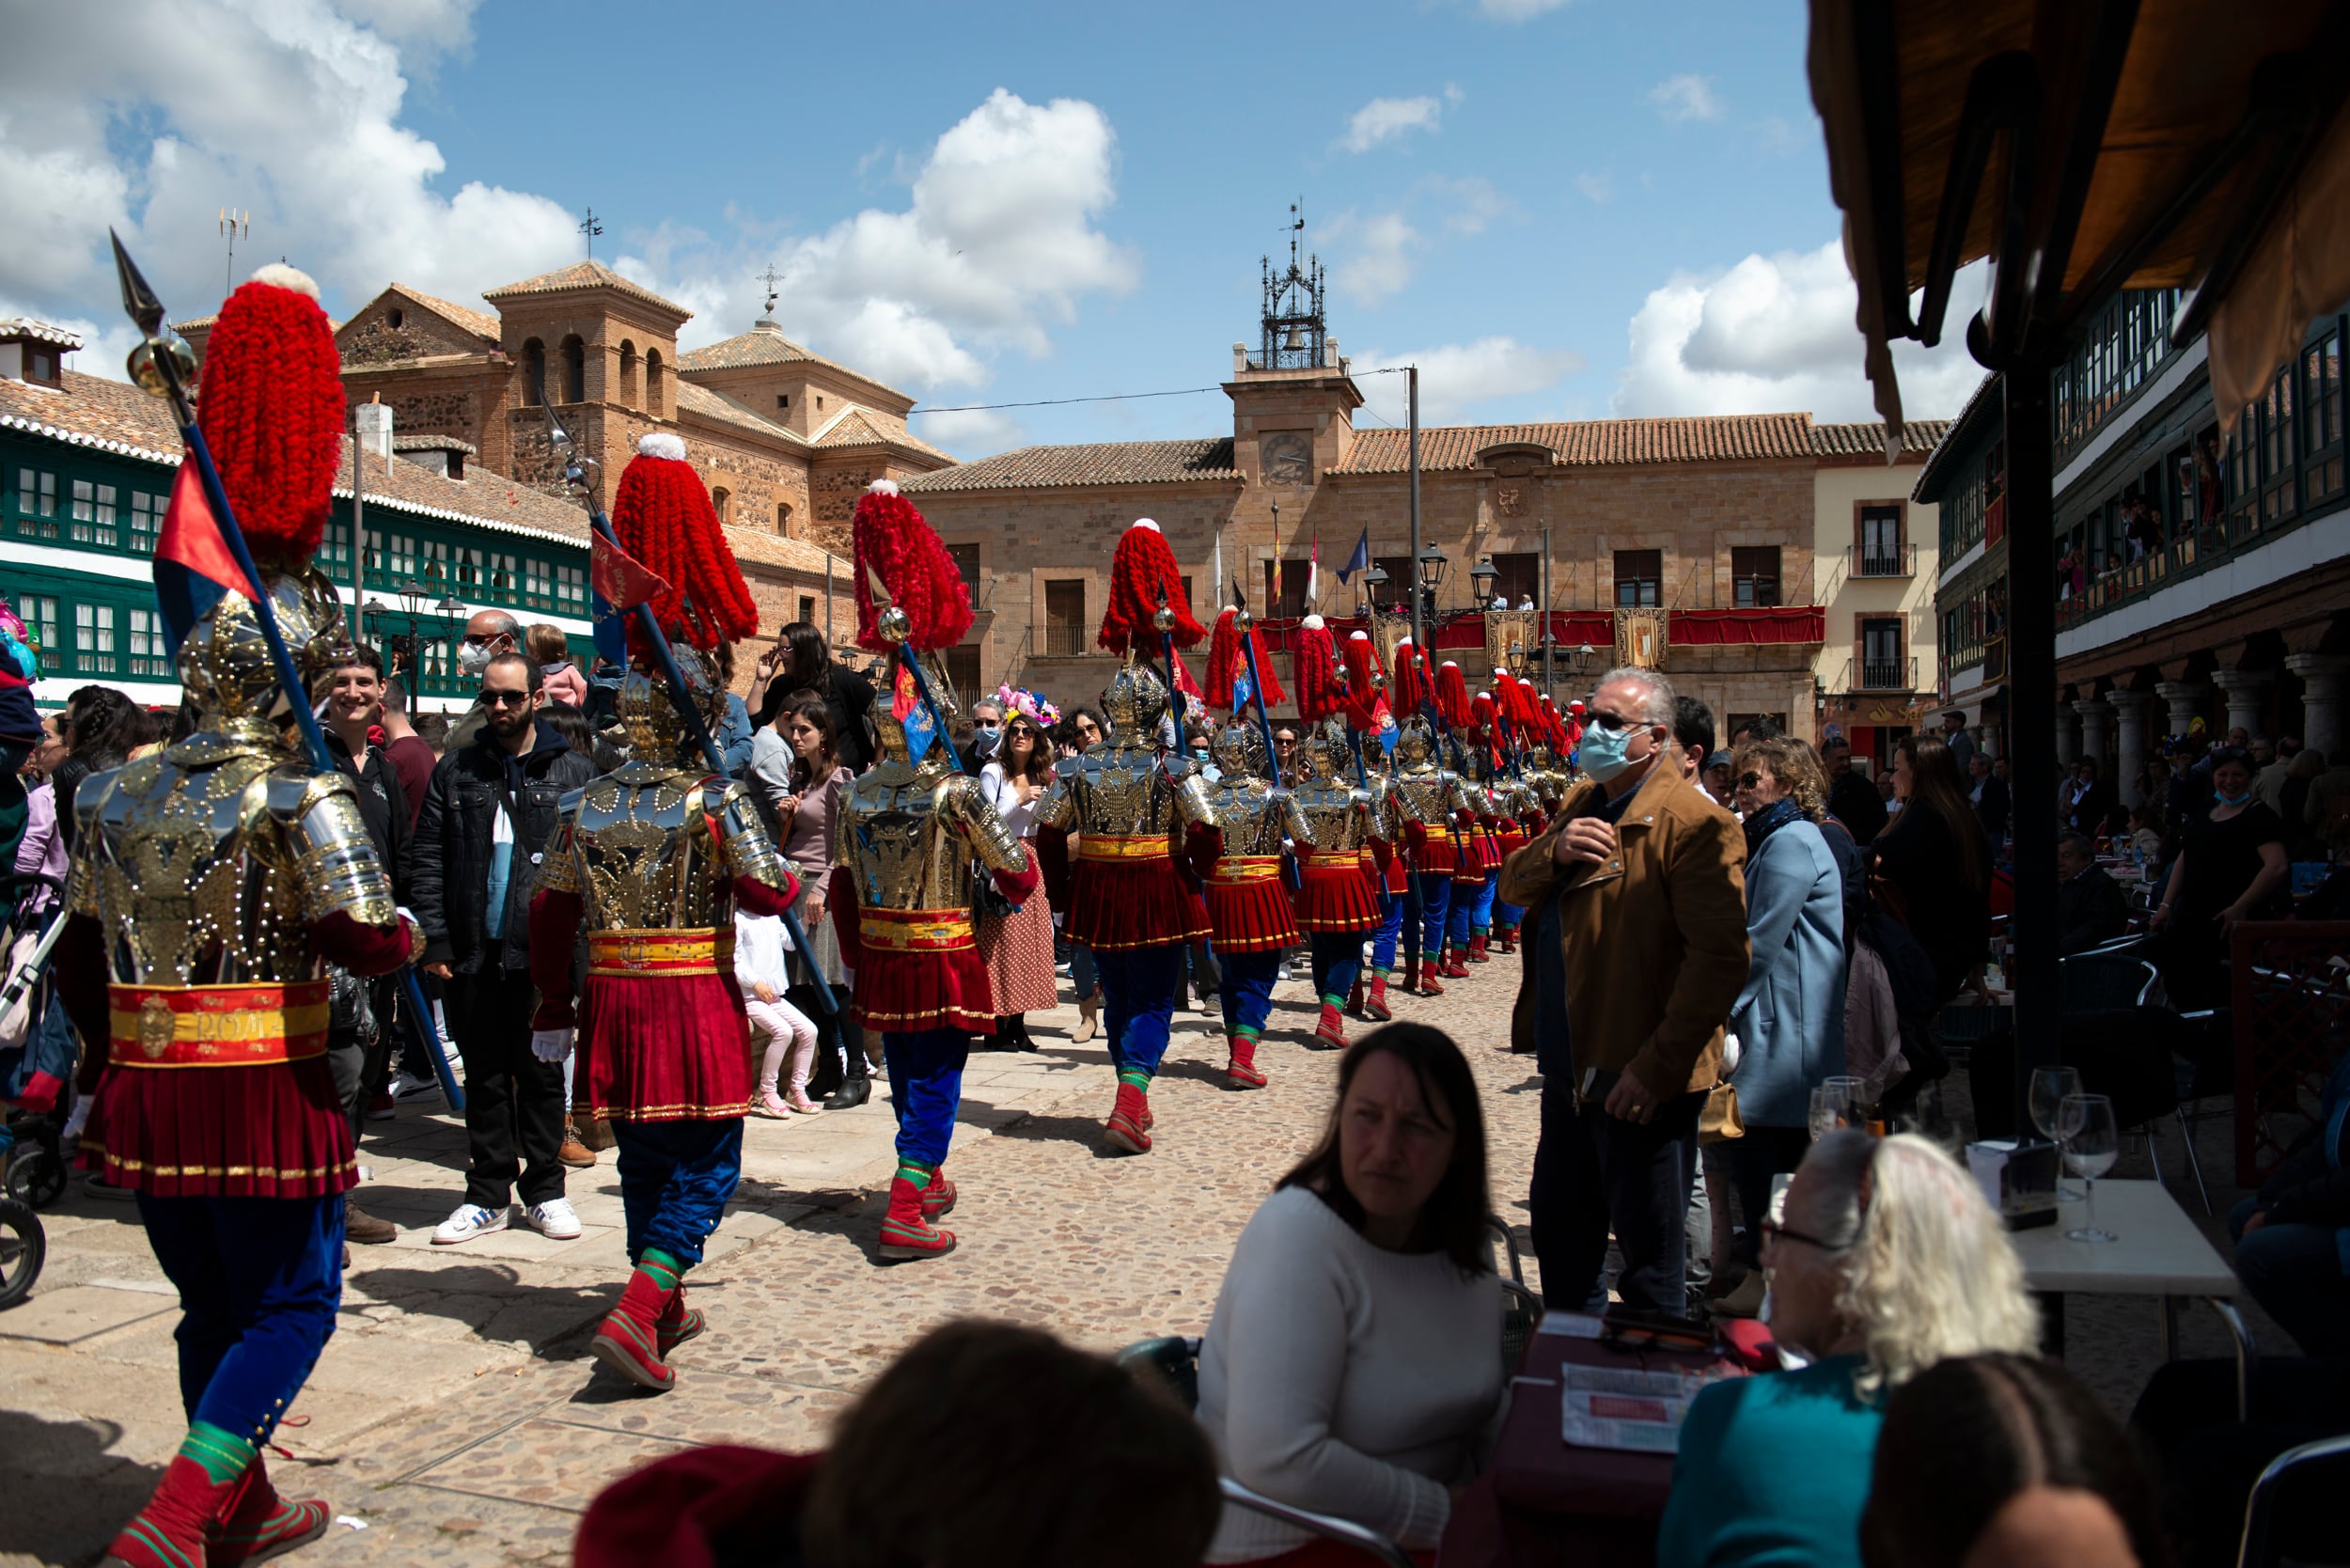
(1636, 891)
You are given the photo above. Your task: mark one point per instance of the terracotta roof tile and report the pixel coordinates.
(40, 332)
(764, 344)
(582, 274)
(753, 545)
(475, 322)
(1106, 463)
(693, 398)
(1712, 438)
(1868, 439)
(93, 411)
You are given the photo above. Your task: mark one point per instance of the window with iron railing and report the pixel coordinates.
(1880, 552)
(967, 559)
(1065, 631)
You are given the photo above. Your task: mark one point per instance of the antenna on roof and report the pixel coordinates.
(235, 224)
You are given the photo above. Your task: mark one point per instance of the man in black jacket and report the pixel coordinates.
(488, 814)
(1852, 799)
(2091, 909)
(1989, 791)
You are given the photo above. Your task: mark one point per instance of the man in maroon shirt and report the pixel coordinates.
(411, 758)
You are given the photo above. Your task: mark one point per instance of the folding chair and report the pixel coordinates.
(2261, 1507)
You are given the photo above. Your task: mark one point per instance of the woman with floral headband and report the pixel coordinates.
(1017, 947)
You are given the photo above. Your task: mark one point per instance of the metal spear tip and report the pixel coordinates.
(138, 300)
(1163, 618)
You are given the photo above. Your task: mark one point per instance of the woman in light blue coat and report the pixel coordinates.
(1790, 1017)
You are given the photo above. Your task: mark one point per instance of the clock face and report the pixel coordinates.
(1287, 458)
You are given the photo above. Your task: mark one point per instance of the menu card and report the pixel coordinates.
(1628, 1407)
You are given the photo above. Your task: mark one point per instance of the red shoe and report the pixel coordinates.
(1375, 1006)
(938, 1198)
(1332, 1029)
(905, 1235)
(1242, 1071)
(629, 1339)
(1354, 999)
(1429, 985)
(678, 1322)
(174, 1530)
(260, 1525)
(1509, 939)
(1451, 967)
(1129, 1120)
(1477, 953)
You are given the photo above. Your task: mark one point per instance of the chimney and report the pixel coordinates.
(1331, 359)
(1240, 358)
(373, 420)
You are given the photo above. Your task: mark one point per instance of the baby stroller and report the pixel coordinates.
(31, 1141)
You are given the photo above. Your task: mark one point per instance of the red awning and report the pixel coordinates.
(1715, 628)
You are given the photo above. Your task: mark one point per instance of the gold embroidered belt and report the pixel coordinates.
(632, 952)
(916, 931)
(216, 1026)
(1235, 869)
(1103, 846)
(1327, 859)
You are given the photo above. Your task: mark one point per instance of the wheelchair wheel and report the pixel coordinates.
(36, 1176)
(23, 1247)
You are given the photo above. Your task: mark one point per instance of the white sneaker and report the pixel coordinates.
(470, 1221)
(406, 1086)
(554, 1219)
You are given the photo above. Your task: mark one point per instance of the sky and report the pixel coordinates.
(1558, 209)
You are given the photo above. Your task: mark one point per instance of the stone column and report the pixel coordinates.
(2129, 709)
(2242, 689)
(2068, 737)
(2095, 713)
(2320, 698)
(2185, 700)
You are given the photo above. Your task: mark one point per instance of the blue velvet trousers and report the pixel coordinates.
(926, 1089)
(676, 1180)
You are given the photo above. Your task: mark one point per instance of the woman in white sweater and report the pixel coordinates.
(1354, 1363)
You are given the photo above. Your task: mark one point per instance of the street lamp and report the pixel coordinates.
(1373, 580)
(1482, 578)
(1429, 565)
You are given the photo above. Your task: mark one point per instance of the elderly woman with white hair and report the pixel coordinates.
(1885, 1261)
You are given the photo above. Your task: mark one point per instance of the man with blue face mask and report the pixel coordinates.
(1636, 899)
(987, 733)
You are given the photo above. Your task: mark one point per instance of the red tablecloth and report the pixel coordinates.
(1543, 1502)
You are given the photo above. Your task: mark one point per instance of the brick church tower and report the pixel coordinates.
(603, 350)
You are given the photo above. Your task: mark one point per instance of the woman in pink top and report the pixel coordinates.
(817, 776)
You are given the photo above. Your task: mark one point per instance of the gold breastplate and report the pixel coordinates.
(1427, 797)
(208, 865)
(640, 852)
(1253, 819)
(907, 839)
(1335, 815)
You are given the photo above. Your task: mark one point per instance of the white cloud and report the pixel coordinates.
(1596, 187)
(1774, 334)
(1517, 11)
(1684, 98)
(293, 109)
(1383, 119)
(1456, 377)
(971, 434)
(1380, 249)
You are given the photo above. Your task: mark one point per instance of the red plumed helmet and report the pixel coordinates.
(1318, 694)
(1452, 698)
(1142, 572)
(1224, 659)
(661, 511)
(1364, 699)
(890, 539)
(1409, 691)
(272, 411)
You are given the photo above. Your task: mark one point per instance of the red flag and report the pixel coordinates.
(623, 583)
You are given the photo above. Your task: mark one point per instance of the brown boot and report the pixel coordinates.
(1088, 1019)
(365, 1229)
(574, 1152)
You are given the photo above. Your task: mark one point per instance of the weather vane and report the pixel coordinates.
(589, 228)
(773, 279)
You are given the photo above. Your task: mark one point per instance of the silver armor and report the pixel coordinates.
(1339, 816)
(1255, 816)
(1122, 788)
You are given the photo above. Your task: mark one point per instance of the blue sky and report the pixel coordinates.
(1559, 210)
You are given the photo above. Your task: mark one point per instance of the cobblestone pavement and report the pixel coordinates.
(458, 1418)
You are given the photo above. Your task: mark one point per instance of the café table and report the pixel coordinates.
(2160, 1253)
(1544, 1501)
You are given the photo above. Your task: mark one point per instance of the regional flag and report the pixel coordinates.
(619, 582)
(1360, 560)
(194, 565)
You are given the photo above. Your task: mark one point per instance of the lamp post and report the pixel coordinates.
(1482, 578)
(1430, 563)
(1373, 580)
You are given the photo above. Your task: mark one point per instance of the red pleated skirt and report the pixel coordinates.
(1249, 906)
(673, 1048)
(1133, 900)
(920, 969)
(1439, 855)
(1335, 894)
(275, 1130)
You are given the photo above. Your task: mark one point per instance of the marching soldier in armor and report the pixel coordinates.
(653, 859)
(1390, 877)
(1335, 902)
(1429, 801)
(904, 835)
(1249, 905)
(210, 886)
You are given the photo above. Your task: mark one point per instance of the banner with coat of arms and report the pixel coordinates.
(1513, 642)
(1641, 639)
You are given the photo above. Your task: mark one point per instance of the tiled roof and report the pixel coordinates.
(40, 332)
(1710, 438)
(770, 549)
(457, 314)
(116, 417)
(764, 344)
(1106, 463)
(693, 398)
(853, 428)
(1919, 436)
(582, 274)
(431, 443)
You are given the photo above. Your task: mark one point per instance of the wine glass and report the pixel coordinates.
(2049, 1088)
(1823, 1112)
(1849, 1098)
(2093, 1142)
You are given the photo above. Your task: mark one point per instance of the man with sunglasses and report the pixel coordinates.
(491, 809)
(1637, 909)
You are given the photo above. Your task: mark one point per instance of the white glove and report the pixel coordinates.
(550, 1044)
